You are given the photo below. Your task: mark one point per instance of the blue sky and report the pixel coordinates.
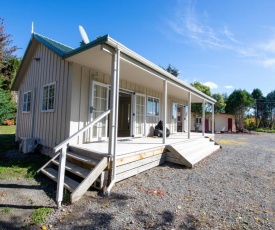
(226, 45)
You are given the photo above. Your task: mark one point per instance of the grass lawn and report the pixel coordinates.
(16, 165)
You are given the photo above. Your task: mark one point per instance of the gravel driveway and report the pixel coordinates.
(234, 188)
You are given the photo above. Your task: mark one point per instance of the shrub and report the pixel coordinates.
(250, 123)
(9, 122)
(7, 106)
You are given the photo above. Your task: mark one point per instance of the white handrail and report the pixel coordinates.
(65, 142)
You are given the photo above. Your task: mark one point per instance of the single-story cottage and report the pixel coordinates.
(223, 122)
(94, 108)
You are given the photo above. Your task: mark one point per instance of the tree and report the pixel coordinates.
(6, 48)
(238, 103)
(259, 106)
(8, 73)
(8, 66)
(173, 70)
(257, 94)
(196, 108)
(270, 101)
(7, 106)
(220, 104)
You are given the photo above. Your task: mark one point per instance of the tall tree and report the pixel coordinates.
(238, 103)
(6, 48)
(220, 104)
(8, 66)
(270, 101)
(257, 94)
(173, 70)
(259, 106)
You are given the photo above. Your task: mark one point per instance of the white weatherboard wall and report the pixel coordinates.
(50, 127)
(82, 78)
(221, 123)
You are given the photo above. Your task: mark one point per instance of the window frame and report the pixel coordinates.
(29, 98)
(48, 97)
(198, 119)
(147, 107)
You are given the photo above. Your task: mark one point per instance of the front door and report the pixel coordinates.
(139, 115)
(229, 124)
(98, 105)
(206, 125)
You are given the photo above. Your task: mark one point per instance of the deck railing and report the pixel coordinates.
(78, 133)
(62, 147)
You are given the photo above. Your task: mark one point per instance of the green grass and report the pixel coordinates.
(265, 130)
(5, 210)
(20, 166)
(39, 215)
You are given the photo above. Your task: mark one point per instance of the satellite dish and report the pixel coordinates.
(83, 35)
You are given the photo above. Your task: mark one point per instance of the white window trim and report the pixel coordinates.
(27, 100)
(200, 119)
(147, 106)
(49, 110)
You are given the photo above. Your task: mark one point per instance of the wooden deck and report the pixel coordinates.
(132, 146)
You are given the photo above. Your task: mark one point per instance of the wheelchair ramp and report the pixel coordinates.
(191, 152)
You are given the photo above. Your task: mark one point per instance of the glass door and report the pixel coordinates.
(99, 105)
(174, 118)
(139, 115)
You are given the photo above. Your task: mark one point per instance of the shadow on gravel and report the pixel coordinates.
(23, 206)
(150, 221)
(173, 165)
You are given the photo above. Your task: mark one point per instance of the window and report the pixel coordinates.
(27, 101)
(198, 120)
(48, 97)
(153, 106)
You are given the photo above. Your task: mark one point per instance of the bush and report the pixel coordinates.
(7, 106)
(9, 122)
(250, 123)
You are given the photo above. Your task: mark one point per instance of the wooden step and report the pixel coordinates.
(75, 169)
(80, 149)
(89, 180)
(70, 184)
(85, 159)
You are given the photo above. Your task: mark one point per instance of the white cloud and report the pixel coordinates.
(229, 34)
(211, 85)
(269, 46)
(269, 62)
(229, 87)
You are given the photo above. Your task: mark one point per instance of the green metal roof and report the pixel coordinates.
(57, 47)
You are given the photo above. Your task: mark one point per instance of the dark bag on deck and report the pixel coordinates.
(159, 130)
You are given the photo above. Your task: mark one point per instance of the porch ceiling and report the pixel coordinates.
(130, 70)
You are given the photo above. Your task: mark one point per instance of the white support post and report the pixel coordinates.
(203, 117)
(164, 109)
(112, 107)
(189, 114)
(114, 117)
(61, 175)
(213, 120)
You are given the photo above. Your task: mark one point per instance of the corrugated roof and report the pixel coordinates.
(57, 47)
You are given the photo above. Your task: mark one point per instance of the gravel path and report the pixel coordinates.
(234, 188)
